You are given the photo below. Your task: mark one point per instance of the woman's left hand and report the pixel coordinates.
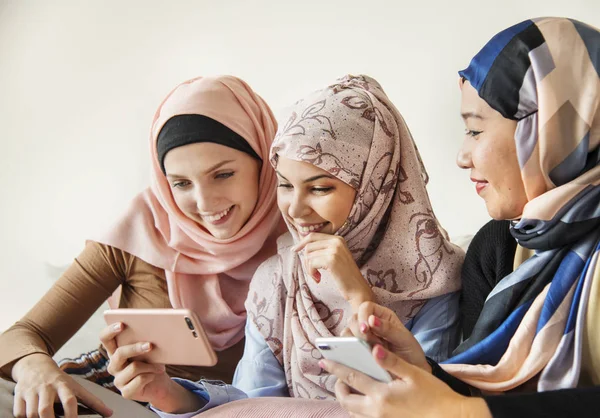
(330, 252)
(412, 393)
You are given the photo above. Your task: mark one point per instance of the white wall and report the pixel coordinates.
(80, 81)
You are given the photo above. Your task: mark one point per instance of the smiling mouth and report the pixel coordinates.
(218, 218)
(307, 229)
(480, 185)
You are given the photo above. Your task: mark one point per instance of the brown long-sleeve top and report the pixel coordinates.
(88, 282)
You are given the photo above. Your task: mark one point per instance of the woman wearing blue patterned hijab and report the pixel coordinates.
(531, 286)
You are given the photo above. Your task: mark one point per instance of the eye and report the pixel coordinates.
(321, 190)
(472, 133)
(223, 176)
(180, 184)
(284, 186)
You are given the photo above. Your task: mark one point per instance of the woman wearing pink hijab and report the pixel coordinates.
(193, 239)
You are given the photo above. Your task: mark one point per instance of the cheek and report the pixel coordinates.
(283, 200)
(245, 191)
(184, 202)
(334, 209)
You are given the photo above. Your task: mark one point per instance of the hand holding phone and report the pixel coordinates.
(176, 335)
(354, 353)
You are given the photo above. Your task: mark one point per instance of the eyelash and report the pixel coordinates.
(223, 176)
(322, 190)
(473, 134)
(185, 183)
(180, 184)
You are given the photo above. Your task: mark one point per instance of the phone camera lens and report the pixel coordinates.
(188, 321)
(324, 347)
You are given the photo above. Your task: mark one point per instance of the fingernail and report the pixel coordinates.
(363, 328)
(317, 276)
(321, 364)
(376, 321)
(380, 352)
(116, 327)
(146, 347)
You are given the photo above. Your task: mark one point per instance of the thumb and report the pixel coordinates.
(392, 363)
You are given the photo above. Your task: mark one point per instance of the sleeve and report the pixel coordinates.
(581, 403)
(258, 374)
(489, 259)
(436, 326)
(85, 285)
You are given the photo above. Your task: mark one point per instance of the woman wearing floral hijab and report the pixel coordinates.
(352, 192)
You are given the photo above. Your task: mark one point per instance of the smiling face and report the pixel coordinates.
(489, 152)
(214, 185)
(310, 199)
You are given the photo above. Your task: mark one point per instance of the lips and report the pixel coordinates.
(306, 229)
(480, 185)
(218, 218)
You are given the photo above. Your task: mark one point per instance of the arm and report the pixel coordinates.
(258, 374)
(86, 284)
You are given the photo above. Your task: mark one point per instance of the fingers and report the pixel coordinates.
(107, 336)
(31, 408)
(135, 388)
(68, 400)
(312, 237)
(351, 377)
(92, 401)
(121, 356)
(357, 405)
(393, 363)
(135, 369)
(46, 403)
(384, 323)
(19, 406)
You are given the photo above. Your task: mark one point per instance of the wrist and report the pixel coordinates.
(30, 361)
(177, 400)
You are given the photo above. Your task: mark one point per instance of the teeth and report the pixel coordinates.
(213, 218)
(308, 229)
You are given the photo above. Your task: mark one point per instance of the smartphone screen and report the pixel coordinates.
(354, 353)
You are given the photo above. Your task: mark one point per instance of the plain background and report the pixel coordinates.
(81, 80)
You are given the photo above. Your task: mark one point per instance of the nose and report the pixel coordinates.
(205, 199)
(298, 206)
(463, 158)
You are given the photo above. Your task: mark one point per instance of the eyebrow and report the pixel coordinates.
(308, 180)
(473, 115)
(210, 170)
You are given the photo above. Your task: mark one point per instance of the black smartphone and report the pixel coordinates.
(82, 411)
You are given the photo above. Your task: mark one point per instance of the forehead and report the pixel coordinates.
(471, 105)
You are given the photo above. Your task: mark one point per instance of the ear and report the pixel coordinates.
(461, 82)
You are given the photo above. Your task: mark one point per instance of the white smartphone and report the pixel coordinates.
(354, 353)
(176, 335)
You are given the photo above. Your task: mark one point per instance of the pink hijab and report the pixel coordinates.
(207, 275)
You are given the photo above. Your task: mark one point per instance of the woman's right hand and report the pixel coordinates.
(40, 383)
(142, 381)
(380, 325)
